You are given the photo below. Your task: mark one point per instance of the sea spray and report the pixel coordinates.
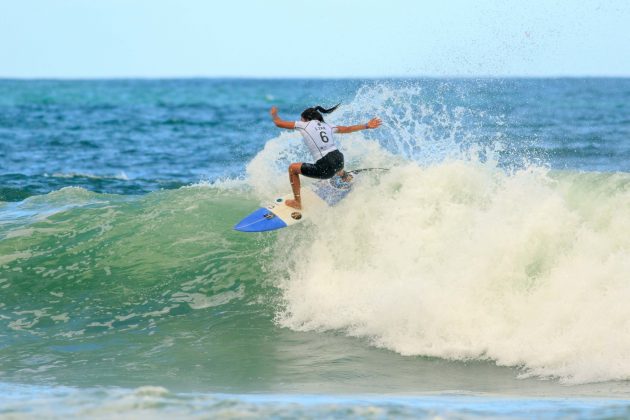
(426, 122)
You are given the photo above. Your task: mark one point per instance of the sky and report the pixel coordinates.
(319, 38)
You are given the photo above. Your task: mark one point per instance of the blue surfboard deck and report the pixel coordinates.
(327, 192)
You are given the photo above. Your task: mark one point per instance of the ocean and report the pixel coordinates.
(485, 274)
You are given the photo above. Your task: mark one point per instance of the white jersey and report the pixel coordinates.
(318, 137)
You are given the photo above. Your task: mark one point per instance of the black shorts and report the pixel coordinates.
(324, 168)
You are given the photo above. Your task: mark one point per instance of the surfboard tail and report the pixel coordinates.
(262, 220)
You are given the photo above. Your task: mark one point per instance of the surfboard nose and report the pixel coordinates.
(261, 220)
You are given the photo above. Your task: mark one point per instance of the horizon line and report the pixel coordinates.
(271, 78)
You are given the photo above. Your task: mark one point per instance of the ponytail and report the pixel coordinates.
(327, 111)
(314, 113)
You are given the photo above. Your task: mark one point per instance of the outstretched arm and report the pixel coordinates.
(373, 123)
(279, 122)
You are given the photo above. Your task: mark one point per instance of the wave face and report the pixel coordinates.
(122, 280)
(472, 248)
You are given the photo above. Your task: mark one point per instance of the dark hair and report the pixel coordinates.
(314, 113)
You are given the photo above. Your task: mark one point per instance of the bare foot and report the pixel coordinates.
(345, 176)
(294, 203)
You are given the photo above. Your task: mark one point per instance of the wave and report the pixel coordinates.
(18, 187)
(450, 254)
(458, 261)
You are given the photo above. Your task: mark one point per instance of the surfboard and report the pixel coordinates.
(318, 197)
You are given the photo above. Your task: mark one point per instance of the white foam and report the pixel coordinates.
(460, 261)
(221, 184)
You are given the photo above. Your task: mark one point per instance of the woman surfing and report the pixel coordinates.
(318, 138)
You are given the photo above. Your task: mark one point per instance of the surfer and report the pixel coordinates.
(318, 137)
